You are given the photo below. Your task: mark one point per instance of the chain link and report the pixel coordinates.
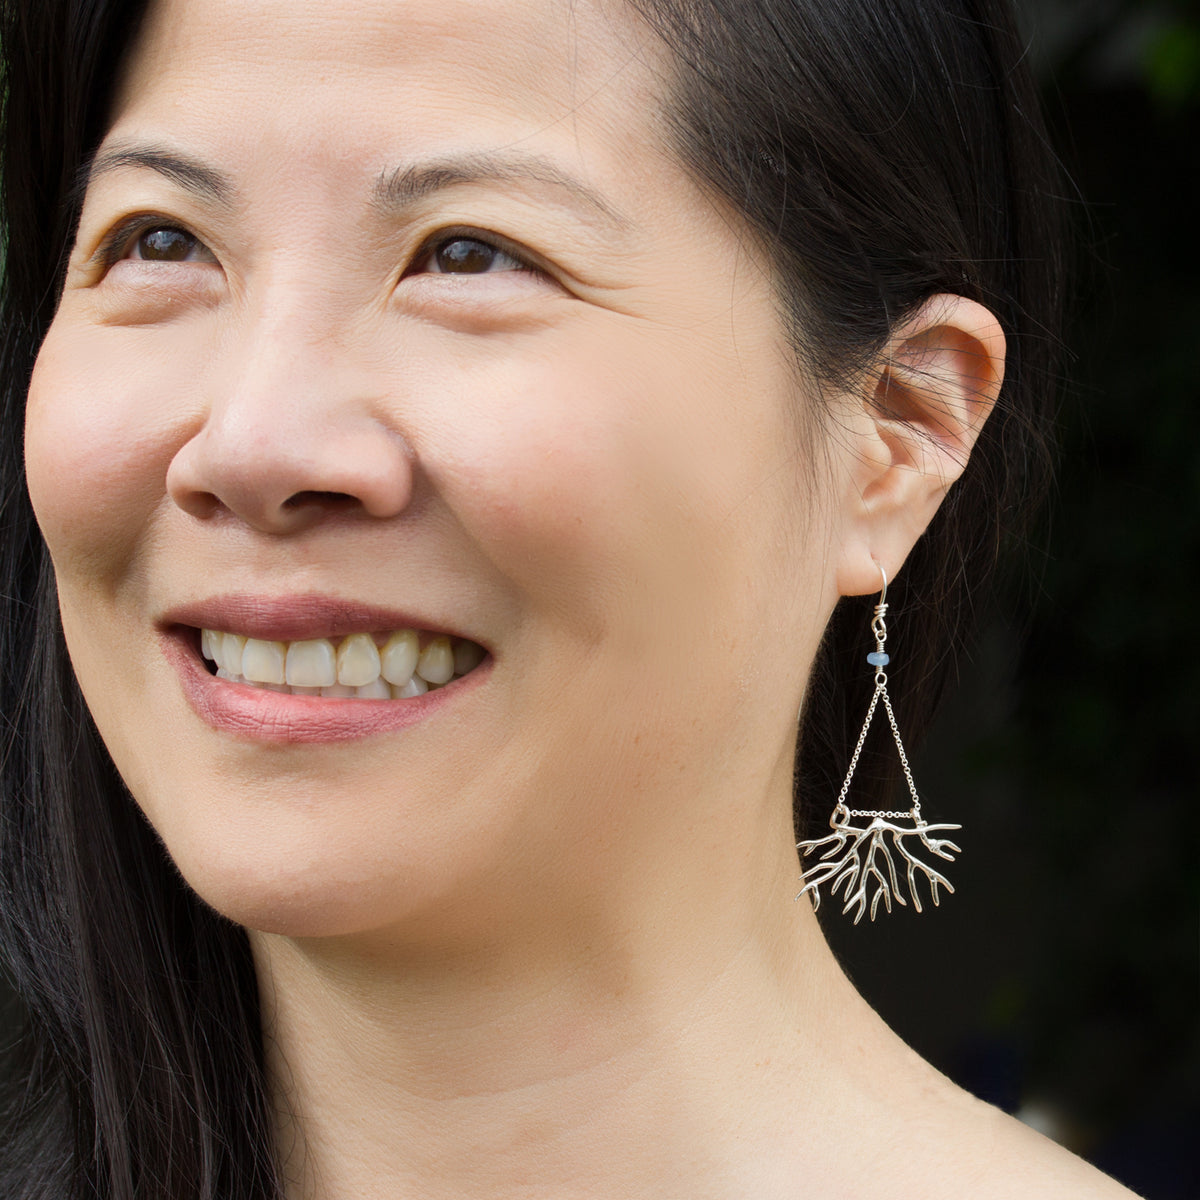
(879, 629)
(912, 787)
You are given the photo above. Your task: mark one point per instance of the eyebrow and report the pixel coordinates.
(194, 176)
(408, 185)
(399, 190)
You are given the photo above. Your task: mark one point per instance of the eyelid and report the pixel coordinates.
(528, 260)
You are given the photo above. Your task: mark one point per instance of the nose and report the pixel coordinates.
(297, 432)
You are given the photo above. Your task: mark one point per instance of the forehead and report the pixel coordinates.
(337, 76)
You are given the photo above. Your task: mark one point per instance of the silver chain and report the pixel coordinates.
(879, 629)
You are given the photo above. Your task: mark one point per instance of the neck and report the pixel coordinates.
(515, 1066)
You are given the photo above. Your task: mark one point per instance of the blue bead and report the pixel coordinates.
(878, 659)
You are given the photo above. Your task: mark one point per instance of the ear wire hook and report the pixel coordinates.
(879, 628)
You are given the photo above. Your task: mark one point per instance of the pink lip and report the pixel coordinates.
(255, 714)
(292, 618)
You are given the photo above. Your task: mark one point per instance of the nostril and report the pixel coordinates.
(286, 480)
(326, 499)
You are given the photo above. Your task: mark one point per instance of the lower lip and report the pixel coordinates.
(259, 715)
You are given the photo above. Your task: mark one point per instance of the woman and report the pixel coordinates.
(450, 429)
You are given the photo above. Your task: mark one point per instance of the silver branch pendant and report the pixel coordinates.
(860, 856)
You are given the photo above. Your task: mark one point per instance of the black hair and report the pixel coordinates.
(881, 153)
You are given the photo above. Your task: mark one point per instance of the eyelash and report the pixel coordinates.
(119, 240)
(444, 237)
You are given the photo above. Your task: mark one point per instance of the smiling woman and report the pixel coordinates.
(457, 440)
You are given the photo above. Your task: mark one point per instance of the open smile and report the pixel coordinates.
(364, 666)
(306, 670)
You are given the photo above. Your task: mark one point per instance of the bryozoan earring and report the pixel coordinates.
(860, 855)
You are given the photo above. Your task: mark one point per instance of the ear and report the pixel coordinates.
(910, 431)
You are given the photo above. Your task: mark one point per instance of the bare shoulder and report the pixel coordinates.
(923, 1137)
(1003, 1159)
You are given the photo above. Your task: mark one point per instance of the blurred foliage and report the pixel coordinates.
(1173, 65)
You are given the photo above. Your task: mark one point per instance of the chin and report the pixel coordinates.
(282, 902)
(300, 879)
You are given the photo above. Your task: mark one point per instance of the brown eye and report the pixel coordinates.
(469, 256)
(166, 244)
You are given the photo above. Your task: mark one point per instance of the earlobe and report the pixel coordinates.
(923, 408)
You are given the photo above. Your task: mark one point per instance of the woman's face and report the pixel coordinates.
(400, 315)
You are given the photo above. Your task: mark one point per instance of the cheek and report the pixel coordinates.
(102, 421)
(650, 501)
(97, 448)
(631, 484)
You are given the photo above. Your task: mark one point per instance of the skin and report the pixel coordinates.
(500, 945)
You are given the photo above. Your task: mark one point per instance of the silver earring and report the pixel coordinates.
(859, 857)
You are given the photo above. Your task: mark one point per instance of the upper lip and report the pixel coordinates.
(295, 618)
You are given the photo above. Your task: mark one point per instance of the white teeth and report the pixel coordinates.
(355, 667)
(467, 656)
(376, 690)
(436, 664)
(263, 662)
(400, 657)
(312, 664)
(357, 661)
(416, 686)
(228, 647)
